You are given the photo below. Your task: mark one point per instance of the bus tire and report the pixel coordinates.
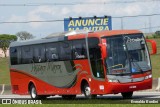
(33, 92)
(127, 95)
(87, 92)
(68, 97)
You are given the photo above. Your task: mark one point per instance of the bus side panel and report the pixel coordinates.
(97, 85)
(17, 83)
(20, 81)
(84, 72)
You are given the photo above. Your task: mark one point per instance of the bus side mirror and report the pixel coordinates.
(153, 46)
(103, 48)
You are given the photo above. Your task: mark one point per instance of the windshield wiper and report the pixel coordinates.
(137, 65)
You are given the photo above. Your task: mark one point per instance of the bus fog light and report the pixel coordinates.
(109, 80)
(113, 80)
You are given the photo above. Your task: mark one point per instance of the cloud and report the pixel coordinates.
(46, 13)
(39, 14)
(15, 18)
(36, 14)
(133, 9)
(115, 9)
(108, 9)
(35, 18)
(60, 12)
(42, 9)
(65, 11)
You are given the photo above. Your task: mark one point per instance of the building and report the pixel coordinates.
(2, 53)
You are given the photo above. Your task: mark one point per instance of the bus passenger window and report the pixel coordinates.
(65, 48)
(27, 54)
(79, 49)
(38, 53)
(52, 52)
(13, 54)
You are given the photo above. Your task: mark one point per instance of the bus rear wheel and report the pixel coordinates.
(87, 92)
(33, 92)
(127, 95)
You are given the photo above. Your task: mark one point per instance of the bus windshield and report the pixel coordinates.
(127, 54)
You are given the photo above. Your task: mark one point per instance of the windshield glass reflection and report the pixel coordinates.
(127, 54)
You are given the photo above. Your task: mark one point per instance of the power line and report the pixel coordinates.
(80, 3)
(59, 20)
(138, 15)
(36, 21)
(153, 27)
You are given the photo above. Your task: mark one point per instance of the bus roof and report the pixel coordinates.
(117, 32)
(72, 35)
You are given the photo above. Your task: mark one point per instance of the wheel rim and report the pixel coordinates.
(87, 91)
(33, 92)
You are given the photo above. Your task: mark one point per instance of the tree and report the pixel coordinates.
(5, 40)
(156, 34)
(23, 35)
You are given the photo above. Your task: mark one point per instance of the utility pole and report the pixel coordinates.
(150, 26)
(145, 27)
(122, 23)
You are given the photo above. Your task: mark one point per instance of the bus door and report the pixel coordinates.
(95, 58)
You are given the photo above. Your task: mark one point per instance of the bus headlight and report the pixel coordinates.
(148, 76)
(112, 80)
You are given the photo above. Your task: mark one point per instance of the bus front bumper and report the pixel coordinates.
(115, 87)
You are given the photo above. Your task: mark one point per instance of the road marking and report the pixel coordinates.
(158, 87)
(2, 89)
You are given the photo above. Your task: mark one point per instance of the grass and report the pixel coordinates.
(4, 71)
(86, 105)
(155, 59)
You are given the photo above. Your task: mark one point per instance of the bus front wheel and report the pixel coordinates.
(127, 95)
(87, 92)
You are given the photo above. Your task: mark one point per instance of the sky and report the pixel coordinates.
(50, 10)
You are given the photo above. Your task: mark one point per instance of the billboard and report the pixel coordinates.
(88, 23)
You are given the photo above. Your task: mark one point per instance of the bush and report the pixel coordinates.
(156, 36)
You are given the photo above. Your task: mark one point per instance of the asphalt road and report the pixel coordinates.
(138, 98)
(136, 95)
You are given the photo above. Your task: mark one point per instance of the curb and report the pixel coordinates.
(158, 85)
(2, 91)
(7, 87)
(4, 88)
(155, 82)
